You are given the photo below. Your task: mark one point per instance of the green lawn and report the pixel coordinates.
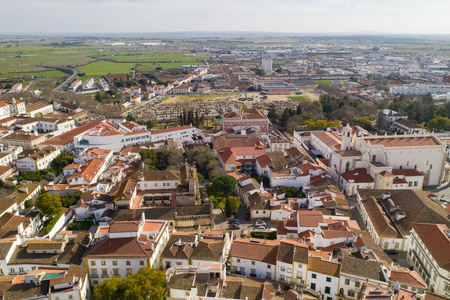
(325, 81)
(300, 99)
(104, 67)
(79, 225)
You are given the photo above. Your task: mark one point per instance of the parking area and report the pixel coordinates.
(222, 224)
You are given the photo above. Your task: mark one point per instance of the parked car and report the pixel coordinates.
(247, 216)
(260, 228)
(235, 226)
(260, 222)
(233, 221)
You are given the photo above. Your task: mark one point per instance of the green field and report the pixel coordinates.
(300, 99)
(104, 67)
(325, 81)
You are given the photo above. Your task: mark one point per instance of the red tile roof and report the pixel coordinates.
(358, 175)
(407, 141)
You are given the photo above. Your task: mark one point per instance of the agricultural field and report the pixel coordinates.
(104, 67)
(37, 58)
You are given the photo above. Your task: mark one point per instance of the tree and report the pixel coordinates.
(110, 289)
(234, 203)
(48, 205)
(147, 283)
(292, 192)
(223, 185)
(228, 211)
(61, 161)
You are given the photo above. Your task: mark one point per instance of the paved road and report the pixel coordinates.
(68, 80)
(28, 86)
(222, 224)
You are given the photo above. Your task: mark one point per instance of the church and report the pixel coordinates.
(386, 162)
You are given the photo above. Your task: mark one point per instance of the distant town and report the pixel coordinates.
(200, 168)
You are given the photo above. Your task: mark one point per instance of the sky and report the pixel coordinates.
(297, 16)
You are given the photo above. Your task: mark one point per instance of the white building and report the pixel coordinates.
(428, 255)
(254, 257)
(179, 135)
(125, 247)
(292, 262)
(106, 136)
(267, 65)
(38, 160)
(323, 277)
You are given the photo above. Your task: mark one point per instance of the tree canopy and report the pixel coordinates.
(223, 185)
(48, 205)
(147, 283)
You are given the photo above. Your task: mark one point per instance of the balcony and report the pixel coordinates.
(252, 274)
(105, 276)
(94, 275)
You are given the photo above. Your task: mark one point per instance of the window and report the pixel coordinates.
(21, 270)
(431, 166)
(56, 298)
(313, 286)
(95, 282)
(116, 272)
(410, 183)
(92, 263)
(351, 293)
(282, 269)
(268, 275)
(313, 275)
(238, 260)
(327, 290)
(253, 262)
(282, 278)
(128, 271)
(269, 266)
(103, 263)
(357, 284)
(415, 183)
(447, 287)
(187, 294)
(114, 262)
(128, 263)
(347, 281)
(141, 262)
(70, 297)
(328, 279)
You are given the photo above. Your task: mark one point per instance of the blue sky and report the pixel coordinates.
(301, 16)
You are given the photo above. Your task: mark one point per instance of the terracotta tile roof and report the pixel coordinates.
(407, 141)
(292, 250)
(407, 172)
(407, 277)
(264, 250)
(416, 204)
(346, 153)
(310, 218)
(435, 240)
(263, 160)
(431, 296)
(379, 220)
(316, 264)
(358, 175)
(224, 142)
(361, 268)
(68, 137)
(180, 128)
(328, 138)
(120, 247)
